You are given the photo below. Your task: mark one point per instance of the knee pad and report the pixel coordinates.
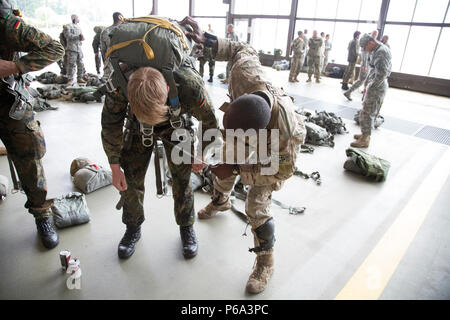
(265, 235)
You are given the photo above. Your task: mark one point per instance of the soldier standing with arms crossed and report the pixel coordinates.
(299, 47)
(74, 37)
(314, 57)
(23, 137)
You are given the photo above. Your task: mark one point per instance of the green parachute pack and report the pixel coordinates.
(363, 163)
(80, 94)
(318, 136)
(52, 78)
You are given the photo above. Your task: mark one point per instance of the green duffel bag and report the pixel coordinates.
(372, 167)
(70, 210)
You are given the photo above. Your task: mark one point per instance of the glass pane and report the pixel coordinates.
(441, 63)
(430, 11)
(241, 29)
(142, 7)
(306, 8)
(419, 51)
(397, 41)
(210, 8)
(326, 9)
(174, 9)
(401, 10)
(349, 9)
(366, 27)
(302, 25)
(370, 10)
(217, 25)
(343, 34)
(266, 34)
(323, 26)
(268, 7)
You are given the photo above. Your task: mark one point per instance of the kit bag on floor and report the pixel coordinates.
(372, 167)
(92, 177)
(70, 210)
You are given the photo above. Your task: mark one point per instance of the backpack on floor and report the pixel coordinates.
(363, 163)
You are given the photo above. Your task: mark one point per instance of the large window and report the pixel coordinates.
(269, 34)
(266, 7)
(210, 8)
(441, 62)
(142, 7)
(174, 9)
(217, 25)
(401, 10)
(349, 9)
(430, 11)
(398, 36)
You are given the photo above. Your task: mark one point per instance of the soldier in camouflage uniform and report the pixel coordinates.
(62, 63)
(256, 104)
(233, 37)
(207, 56)
(134, 159)
(104, 43)
(377, 86)
(314, 57)
(353, 53)
(74, 37)
(326, 53)
(23, 138)
(299, 47)
(96, 46)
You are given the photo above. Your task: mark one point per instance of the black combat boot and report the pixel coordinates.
(210, 79)
(345, 86)
(47, 233)
(128, 242)
(189, 240)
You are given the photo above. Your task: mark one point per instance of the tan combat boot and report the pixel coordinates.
(357, 136)
(3, 151)
(296, 80)
(362, 142)
(262, 271)
(347, 94)
(219, 202)
(81, 80)
(317, 80)
(309, 80)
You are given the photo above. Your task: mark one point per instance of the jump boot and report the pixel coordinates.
(362, 142)
(47, 233)
(189, 240)
(128, 242)
(219, 202)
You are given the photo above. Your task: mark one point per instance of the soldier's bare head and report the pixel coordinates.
(147, 95)
(374, 34)
(356, 34)
(368, 43)
(385, 38)
(230, 28)
(315, 34)
(327, 37)
(75, 18)
(249, 111)
(300, 34)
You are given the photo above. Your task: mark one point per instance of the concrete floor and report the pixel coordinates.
(316, 253)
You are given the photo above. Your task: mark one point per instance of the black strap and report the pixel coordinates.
(16, 183)
(159, 187)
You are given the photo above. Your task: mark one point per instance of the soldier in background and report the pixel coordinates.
(314, 57)
(326, 54)
(306, 39)
(63, 62)
(384, 40)
(298, 46)
(353, 53)
(104, 43)
(207, 56)
(24, 139)
(74, 37)
(233, 37)
(377, 86)
(96, 46)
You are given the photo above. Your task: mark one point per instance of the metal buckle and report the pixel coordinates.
(176, 123)
(147, 135)
(110, 86)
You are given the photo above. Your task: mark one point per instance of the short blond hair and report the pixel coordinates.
(147, 94)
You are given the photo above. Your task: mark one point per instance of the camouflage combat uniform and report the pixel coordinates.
(314, 57)
(233, 37)
(247, 76)
(194, 99)
(363, 72)
(62, 63)
(326, 54)
(104, 45)
(207, 57)
(74, 36)
(24, 138)
(377, 85)
(299, 47)
(353, 53)
(96, 44)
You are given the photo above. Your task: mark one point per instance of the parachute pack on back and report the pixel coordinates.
(143, 42)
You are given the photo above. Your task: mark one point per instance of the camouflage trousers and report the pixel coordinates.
(62, 64)
(349, 72)
(324, 62)
(371, 107)
(135, 162)
(25, 143)
(361, 79)
(211, 64)
(75, 62)
(98, 63)
(314, 67)
(296, 67)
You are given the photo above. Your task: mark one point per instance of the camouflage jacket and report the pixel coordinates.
(17, 36)
(298, 46)
(315, 47)
(353, 51)
(232, 36)
(380, 67)
(73, 35)
(193, 97)
(247, 76)
(96, 43)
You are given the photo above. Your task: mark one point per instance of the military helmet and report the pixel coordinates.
(79, 163)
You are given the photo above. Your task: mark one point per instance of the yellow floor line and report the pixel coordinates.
(373, 275)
